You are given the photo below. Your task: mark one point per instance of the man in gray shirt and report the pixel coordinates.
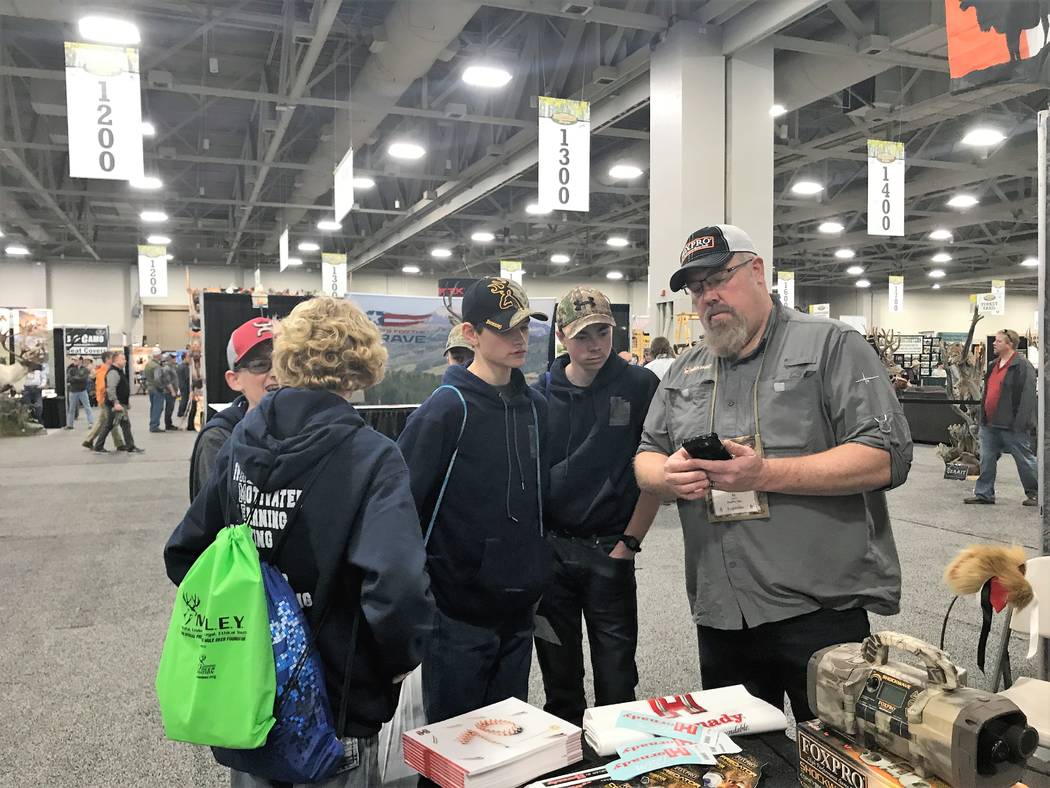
(787, 544)
(165, 383)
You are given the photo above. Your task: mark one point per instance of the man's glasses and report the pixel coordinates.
(257, 366)
(714, 281)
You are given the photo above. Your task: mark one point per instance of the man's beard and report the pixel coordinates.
(726, 337)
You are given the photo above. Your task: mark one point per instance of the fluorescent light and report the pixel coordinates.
(936, 286)
(560, 258)
(845, 254)
(153, 216)
(963, 201)
(614, 275)
(295, 261)
(481, 76)
(329, 225)
(410, 269)
(1, 233)
(150, 182)
(940, 235)
(862, 283)
(807, 188)
(855, 270)
(941, 257)
(16, 250)
(617, 240)
(363, 182)
(777, 110)
(406, 150)
(1030, 262)
(483, 237)
(831, 227)
(536, 210)
(169, 257)
(625, 171)
(440, 251)
(936, 273)
(148, 129)
(158, 240)
(108, 30)
(983, 137)
(308, 246)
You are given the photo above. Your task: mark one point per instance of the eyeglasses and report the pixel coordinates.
(714, 281)
(257, 366)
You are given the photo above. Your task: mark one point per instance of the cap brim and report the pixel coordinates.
(458, 346)
(576, 326)
(706, 262)
(521, 316)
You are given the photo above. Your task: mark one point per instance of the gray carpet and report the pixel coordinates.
(85, 602)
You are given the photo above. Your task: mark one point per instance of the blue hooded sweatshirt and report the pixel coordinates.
(355, 542)
(487, 556)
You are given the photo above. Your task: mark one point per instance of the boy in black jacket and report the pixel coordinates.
(596, 516)
(486, 555)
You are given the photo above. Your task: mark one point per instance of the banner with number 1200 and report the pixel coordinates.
(104, 110)
(564, 155)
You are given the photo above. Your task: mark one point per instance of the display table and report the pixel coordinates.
(54, 416)
(929, 413)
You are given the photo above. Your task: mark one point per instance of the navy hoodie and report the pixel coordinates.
(487, 557)
(355, 541)
(593, 436)
(211, 439)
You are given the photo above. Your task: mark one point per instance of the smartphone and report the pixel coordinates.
(706, 447)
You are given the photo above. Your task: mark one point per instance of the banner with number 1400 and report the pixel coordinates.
(885, 188)
(104, 111)
(564, 155)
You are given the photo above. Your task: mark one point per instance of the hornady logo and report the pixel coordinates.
(676, 705)
(696, 244)
(394, 320)
(831, 763)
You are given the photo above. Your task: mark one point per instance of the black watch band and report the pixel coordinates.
(631, 543)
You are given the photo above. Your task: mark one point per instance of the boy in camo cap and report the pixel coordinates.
(457, 349)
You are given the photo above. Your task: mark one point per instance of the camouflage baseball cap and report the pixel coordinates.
(456, 339)
(582, 307)
(501, 304)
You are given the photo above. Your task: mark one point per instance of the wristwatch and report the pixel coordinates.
(631, 543)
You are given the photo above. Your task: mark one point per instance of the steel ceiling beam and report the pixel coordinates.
(762, 20)
(596, 15)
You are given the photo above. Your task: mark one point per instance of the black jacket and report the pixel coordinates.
(1017, 399)
(211, 439)
(77, 378)
(355, 545)
(593, 436)
(486, 556)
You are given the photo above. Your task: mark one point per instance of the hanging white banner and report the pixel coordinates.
(333, 274)
(896, 294)
(987, 304)
(999, 291)
(564, 154)
(283, 247)
(104, 111)
(343, 182)
(786, 288)
(153, 271)
(511, 269)
(885, 188)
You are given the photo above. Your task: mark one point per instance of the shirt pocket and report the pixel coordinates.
(790, 418)
(688, 411)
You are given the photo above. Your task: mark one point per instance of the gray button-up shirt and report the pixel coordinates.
(821, 385)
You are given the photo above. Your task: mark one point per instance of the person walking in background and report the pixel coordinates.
(183, 372)
(77, 375)
(100, 401)
(166, 381)
(118, 401)
(156, 396)
(1008, 414)
(663, 357)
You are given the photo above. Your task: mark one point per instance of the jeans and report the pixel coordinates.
(364, 775)
(588, 583)
(156, 407)
(994, 443)
(33, 399)
(75, 400)
(773, 658)
(114, 419)
(467, 666)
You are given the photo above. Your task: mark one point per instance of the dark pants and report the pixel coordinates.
(113, 419)
(466, 667)
(588, 583)
(995, 443)
(33, 399)
(184, 402)
(191, 417)
(771, 659)
(169, 409)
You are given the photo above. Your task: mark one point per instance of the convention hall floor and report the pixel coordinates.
(85, 602)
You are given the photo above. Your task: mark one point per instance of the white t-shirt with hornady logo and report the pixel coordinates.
(729, 710)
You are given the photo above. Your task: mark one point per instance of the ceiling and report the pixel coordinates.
(255, 101)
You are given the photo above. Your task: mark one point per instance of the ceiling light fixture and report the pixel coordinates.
(807, 188)
(614, 275)
(410, 269)
(483, 237)
(108, 30)
(406, 150)
(777, 110)
(831, 227)
(150, 182)
(158, 240)
(17, 250)
(845, 254)
(625, 171)
(486, 76)
(983, 137)
(935, 286)
(862, 283)
(363, 182)
(153, 216)
(308, 246)
(941, 257)
(148, 129)
(963, 201)
(617, 241)
(855, 270)
(1030, 262)
(560, 258)
(536, 210)
(329, 225)
(440, 251)
(940, 235)
(936, 273)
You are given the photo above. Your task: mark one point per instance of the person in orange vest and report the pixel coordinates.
(100, 398)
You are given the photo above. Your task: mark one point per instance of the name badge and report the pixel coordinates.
(727, 507)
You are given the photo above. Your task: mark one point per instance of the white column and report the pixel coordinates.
(686, 154)
(749, 147)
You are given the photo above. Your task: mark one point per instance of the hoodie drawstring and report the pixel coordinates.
(510, 465)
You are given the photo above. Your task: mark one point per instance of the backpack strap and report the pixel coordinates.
(547, 384)
(451, 463)
(539, 485)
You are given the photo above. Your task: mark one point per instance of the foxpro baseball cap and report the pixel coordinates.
(456, 339)
(709, 248)
(497, 303)
(582, 307)
(246, 336)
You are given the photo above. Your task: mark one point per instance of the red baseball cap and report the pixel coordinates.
(246, 336)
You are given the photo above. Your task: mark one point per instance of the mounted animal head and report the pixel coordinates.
(31, 359)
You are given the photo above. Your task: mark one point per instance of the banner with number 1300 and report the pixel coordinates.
(104, 110)
(564, 155)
